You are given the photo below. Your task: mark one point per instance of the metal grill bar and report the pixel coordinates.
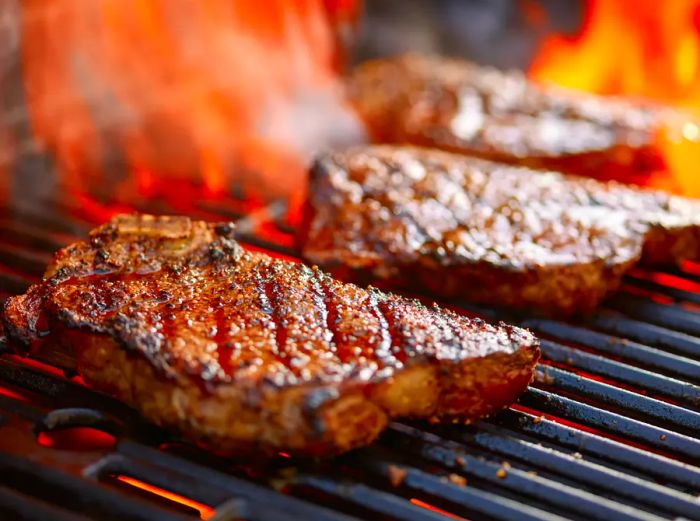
(645, 333)
(642, 354)
(14, 505)
(575, 467)
(367, 497)
(23, 260)
(626, 456)
(609, 395)
(616, 483)
(12, 284)
(624, 373)
(265, 504)
(662, 439)
(19, 233)
(672, 316)
(117, 464)
(611, 478)
(495, 506)
(566, 497)
(44, 217)
(655, 287)
(78, 494)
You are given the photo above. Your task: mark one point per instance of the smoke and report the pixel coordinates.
(227, 91)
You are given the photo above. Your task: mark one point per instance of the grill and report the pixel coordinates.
(609, 429)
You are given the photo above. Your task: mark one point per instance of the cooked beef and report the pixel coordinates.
(463, 107)
(495, 234)
(239, 351)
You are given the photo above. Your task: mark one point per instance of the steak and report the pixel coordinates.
(495, 234)
(242, 352)
(500, 115)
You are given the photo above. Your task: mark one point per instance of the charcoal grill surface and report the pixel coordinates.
(609, 429)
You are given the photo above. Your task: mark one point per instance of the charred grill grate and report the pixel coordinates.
(608, 431)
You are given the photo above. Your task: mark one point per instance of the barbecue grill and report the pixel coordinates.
(608, 430)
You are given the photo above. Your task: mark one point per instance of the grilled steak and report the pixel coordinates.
(240, 351)
(463, 107)
(492, 233)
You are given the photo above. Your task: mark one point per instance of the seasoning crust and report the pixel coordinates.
(240, 351)
(496, 234)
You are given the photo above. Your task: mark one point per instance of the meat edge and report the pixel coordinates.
(303, 420)
(552, 290)
(557, 291)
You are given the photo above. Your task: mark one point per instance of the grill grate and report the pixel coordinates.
(609, 429)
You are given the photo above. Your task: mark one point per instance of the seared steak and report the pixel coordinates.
(240, 351)
(492, 233)
(500, 115)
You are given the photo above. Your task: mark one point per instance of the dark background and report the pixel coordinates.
(504, 33)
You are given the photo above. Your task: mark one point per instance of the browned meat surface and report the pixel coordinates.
(495, 234)
(463, 107)
(239, 351)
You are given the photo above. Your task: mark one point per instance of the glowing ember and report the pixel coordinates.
(205, 512)
(77, 439)
(8, 393)
(220, 91)
(639, 48)
(433, 508)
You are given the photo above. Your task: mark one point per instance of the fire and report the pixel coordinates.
(220, 91)
(639, 48)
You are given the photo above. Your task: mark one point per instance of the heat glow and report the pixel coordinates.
(638, 48)
(139, 96)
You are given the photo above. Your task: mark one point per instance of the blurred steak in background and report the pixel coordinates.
(460, 106)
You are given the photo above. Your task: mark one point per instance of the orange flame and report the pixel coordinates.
(640, 48)
(218, 90)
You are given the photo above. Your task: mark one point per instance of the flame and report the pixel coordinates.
(205, 512)
(639, 48)
(221, 91)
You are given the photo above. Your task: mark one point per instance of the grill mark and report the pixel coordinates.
(223, 348)
(329, 312)
(280, 329)
(401, 349)
(167, 321)
(386, 339)
(268, 290)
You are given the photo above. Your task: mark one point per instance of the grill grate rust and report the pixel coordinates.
(609, 430)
